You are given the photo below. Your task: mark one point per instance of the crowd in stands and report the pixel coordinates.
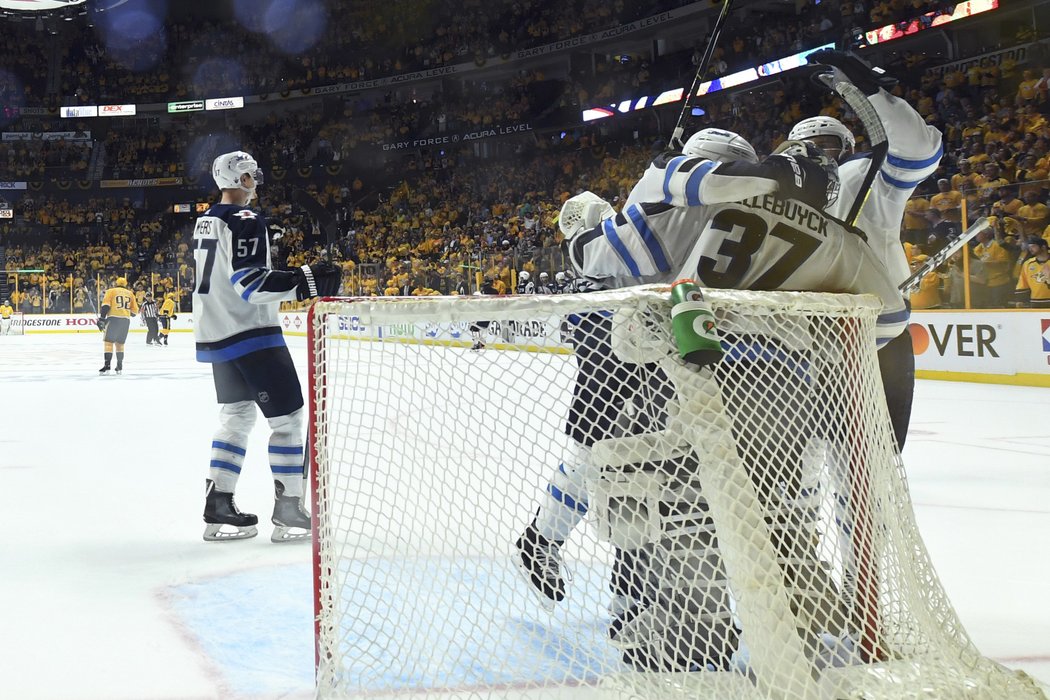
(446, 217)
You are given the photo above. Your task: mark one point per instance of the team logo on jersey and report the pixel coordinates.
(245, 214)
(1046, 334)
(264, 397)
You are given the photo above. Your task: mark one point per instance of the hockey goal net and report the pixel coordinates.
(748, 529)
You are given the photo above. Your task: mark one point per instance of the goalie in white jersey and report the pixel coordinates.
(235, 305)
(679, 222)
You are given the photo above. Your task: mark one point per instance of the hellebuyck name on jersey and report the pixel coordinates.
(760, 243)
(238, 293)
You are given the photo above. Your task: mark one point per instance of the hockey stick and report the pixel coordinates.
(880, 145)
(938, 258)
(676, 141)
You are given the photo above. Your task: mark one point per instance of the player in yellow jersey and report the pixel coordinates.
(7, 314)
(167, 315)
(114, 319)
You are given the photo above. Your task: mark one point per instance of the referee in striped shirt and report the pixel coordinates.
(148, 312)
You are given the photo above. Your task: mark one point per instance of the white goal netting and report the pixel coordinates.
(746, 528)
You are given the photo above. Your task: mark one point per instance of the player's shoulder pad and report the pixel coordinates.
(239, 218)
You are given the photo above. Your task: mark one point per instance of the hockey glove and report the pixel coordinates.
(173, 317)
(319, 279)
(848, 67)
(803, 172)
(101, 323)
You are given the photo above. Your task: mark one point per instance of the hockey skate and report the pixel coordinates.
(291, 522)
(477, 345)
(221, 514)
(104, 370)
(539, 561)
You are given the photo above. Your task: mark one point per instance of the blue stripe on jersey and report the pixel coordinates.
(894, 317)
(668, 172)
(251, 288)
(236, 276)
(219, 445)
(614, 240)
(281, 450)
(565, 499)
(907, 164)
(286, 470)
(692, 186)
(650, 240)
(228, 466)
(900, 184)
(239, 349)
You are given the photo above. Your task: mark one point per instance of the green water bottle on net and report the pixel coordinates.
(693, 325)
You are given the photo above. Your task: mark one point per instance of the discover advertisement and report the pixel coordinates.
(1007, 347)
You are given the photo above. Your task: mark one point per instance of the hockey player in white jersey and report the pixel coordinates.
(663, 234)
(915, 150)
(235, 305)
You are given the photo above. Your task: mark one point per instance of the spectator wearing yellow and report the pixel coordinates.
(1034, 215)
(1007, 204)
(1030, 176)
(928, 295)
(947, 201)
(989, 182)
(990, 271)
(915, 224)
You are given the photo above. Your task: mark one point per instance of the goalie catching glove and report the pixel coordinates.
(805, 173)
(848, 67)
(581, 213)
(319, 279)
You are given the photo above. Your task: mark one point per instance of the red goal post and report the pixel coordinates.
(762, 504)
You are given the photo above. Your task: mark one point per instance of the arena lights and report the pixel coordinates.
(928, 21)
(743, 77)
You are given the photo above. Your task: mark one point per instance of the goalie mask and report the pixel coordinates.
(828, 134)
(721, 145)
(228, 168)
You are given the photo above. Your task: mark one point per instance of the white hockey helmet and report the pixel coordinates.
(582, 212)
(544, 276)
(720, 145)
(559, 277)
(813, 128)
(524, 275)
(227, 169)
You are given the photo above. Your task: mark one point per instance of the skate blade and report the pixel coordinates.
(213, 532)
(282, 534)
(546, 603)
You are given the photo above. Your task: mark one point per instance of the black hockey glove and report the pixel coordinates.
(854, 69)
(803, 172)
(173, 317)
(319, 279)
(101, 323)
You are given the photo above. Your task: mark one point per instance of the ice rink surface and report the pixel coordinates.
(107, 590)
